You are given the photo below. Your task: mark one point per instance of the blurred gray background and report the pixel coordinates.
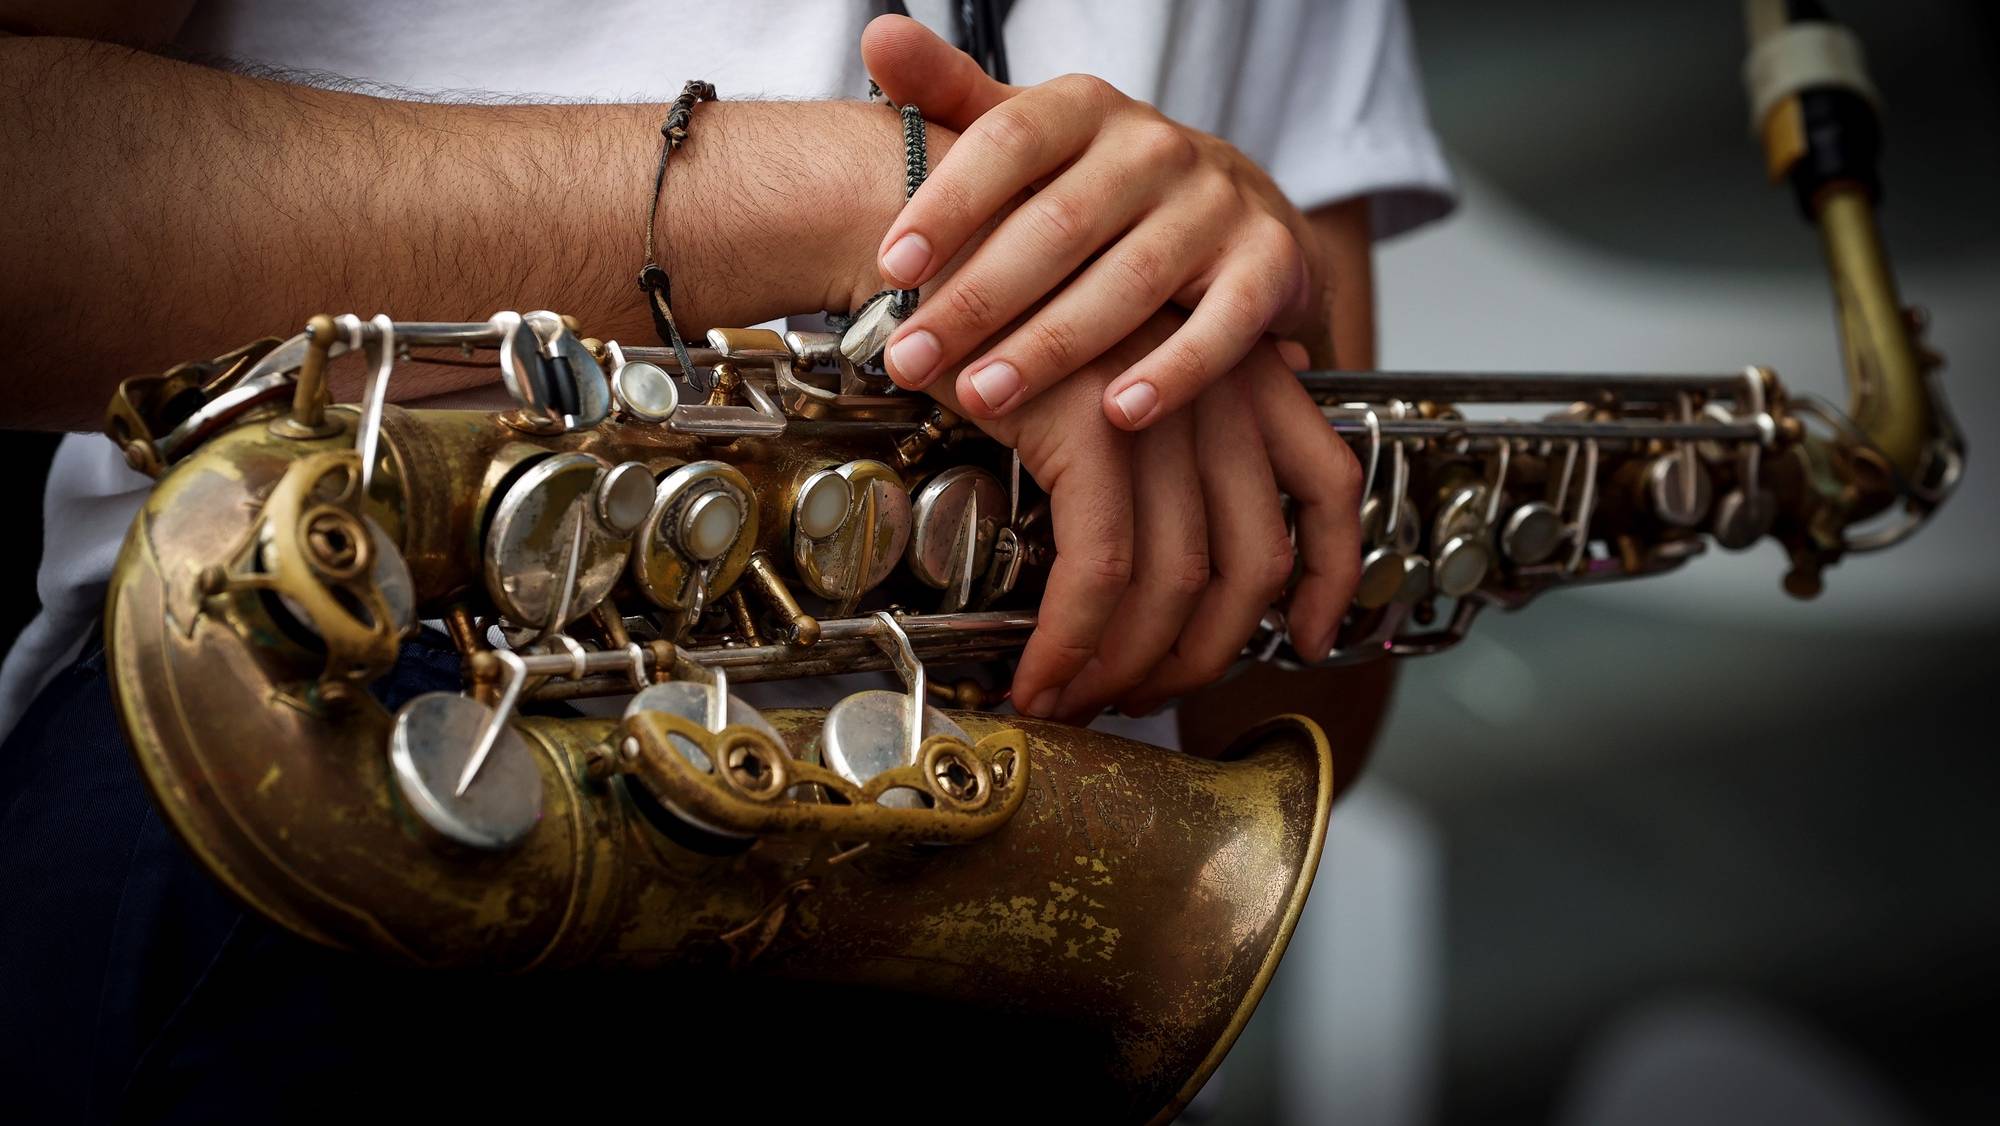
(1686, 851)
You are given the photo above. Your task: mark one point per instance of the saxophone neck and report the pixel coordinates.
(1816, 113)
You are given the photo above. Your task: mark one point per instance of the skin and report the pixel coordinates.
(244, 203)
(1014, 139)
(1125, 210)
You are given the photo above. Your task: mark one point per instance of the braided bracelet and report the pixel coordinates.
(653, 276)
(867, 330)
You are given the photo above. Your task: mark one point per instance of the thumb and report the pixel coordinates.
(911, 64)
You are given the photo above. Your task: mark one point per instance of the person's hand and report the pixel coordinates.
(1172, 543)
(1151, 211)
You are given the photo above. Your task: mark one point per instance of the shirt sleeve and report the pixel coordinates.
(1330, 101)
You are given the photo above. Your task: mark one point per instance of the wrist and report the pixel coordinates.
(775, 208)
(874, 195)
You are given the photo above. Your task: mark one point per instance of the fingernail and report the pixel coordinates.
(906, 258)
(913, 357)
(1044, 703)
(995, 383)
(1137, 401)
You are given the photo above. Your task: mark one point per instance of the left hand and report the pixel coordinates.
(1159, 212)
(1172, 543)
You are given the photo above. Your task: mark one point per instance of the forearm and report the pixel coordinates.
(153, 211)
(1345, 244)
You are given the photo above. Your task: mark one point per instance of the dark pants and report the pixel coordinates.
(133, 988)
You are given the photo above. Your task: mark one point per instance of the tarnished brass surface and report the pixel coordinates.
(1146, 895)
(974, 789)
(1885, 374)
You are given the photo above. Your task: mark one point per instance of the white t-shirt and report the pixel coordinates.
(1324, 93)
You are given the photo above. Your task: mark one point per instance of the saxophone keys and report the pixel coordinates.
(551, 552)
(955, 518)
(709, 525)
(1391, 571)
(644, 391)
(1406, 533)
(869, 732)
(693, 699)
(1461, 565)
(551, 373)
(1416, 580)
(696, 541)
(1461, 514)
(1742, 518)
(1381, 578)
(434, 738)
(1679, 489)
(872, 327)
(1532, 533)
(624, 496)
(822, 507)
(860, 539)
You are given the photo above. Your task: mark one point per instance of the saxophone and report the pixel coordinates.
(663, 525)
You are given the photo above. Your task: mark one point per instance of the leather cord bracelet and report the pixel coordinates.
(653, 276)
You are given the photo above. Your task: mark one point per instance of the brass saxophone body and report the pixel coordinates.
(1094, 880)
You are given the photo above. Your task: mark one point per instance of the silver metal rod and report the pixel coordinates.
(845, 645)
(1511, 387)
(437, 334)
(702, 357)
(1616, 430)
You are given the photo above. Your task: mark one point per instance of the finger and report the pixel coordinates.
(1003, 153)
(1250, 553)
(912, 64)
(1023, 261)
(1318, 471)
(1170, 569)
(1112, 297)
(1253, 288)
(1294, 354)
(1090, 505)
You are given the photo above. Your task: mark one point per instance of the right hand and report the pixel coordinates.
(1121, 211)
(1172, 543)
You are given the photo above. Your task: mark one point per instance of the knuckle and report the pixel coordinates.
(1086, 88)
(951, 201)
(1071, 652)
(1060, 221)
(1098, 86)
(1271, 568)
(971, 303)
(1163, 143)
(1244, 313)
(1012, 130)
(1055, 345)
(1187, 574)
(1183, 359)
(1276, 238)
(1204, 667)
(1108, 570)
(1215, 193)
(1140, 274)
(1288, 259)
